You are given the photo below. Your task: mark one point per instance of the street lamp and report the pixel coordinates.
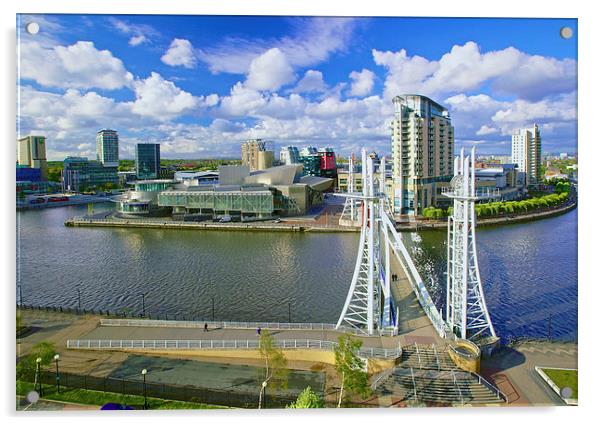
(144, 387)
(58, 378)
(262, 392)
(79, 300)
(213, 309)
(143, 305)
(38, 372)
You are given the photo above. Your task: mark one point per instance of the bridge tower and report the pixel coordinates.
(368, 306)
(466, 312)
(349, 217)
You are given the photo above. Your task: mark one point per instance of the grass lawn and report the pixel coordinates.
(99, 398)
(564, 378)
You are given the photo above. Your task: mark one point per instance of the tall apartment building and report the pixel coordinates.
(289, 155)
(422, 145)
(107, 148)
(31, 153)
(256, 155)
(526, 153)
(148, 160)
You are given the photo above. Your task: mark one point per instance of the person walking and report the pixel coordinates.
(258, 331)
(206, 327)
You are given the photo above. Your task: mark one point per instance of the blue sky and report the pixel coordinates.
(200, 85)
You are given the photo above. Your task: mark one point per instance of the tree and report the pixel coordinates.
(350, 367)
(27, 365)
(276, 372)
(308, 399)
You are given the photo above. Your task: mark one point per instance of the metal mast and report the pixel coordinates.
(349, 217)
(466, 312)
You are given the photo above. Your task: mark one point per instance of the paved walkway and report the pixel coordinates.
(513, 370)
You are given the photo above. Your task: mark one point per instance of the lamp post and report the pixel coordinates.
(289, 312)
(143, 305)
(144, 387)
(38, 372)
(79, 300)
(58, 377)
(261, 392)
(213, 309)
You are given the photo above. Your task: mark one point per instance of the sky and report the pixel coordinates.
(200, 85)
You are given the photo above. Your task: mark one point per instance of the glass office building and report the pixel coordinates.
(148, 160)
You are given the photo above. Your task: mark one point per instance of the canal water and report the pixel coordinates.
(529, 271)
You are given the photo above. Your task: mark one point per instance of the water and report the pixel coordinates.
(529, 271)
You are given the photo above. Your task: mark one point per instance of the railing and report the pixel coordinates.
(457, 387)
(414, 384)
(491, 387)
(227, 325)
(203, 344)
(422, 294)
(381, 377)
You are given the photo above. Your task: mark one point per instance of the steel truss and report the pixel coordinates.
(369, 305)
(466, 312)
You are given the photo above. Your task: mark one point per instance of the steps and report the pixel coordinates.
(426, 357)
(427, 375)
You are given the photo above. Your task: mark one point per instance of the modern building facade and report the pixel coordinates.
(28, 174)
(526, 153)
(255, 154)
(148, 160)
(289, 155)
(328, 163)
(240, 194)
(81, 174)
(107, 148)
(31, 153)
(504, 178)
(422, 144)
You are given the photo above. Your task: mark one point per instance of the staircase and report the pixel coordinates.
(427, 375)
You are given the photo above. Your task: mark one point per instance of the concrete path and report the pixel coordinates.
(513, 370)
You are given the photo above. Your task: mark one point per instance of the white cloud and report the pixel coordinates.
(138, 39)
(466, 68)
(80, 65)
(485, 130)
(180, 53)
(312, 81)
(139, 33)
(269, 71)
(161, 99)
(362, 84)
(314, 40)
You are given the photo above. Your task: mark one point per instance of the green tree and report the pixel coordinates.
(27, 365)
(276, 371)
(350, 367)
(308, 399)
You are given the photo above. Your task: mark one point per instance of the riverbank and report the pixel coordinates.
(494, 221)
(272, 227)
(305, 227)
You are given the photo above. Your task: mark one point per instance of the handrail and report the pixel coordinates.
(381, 376)
(492, 387)
(416, 282)
(224, 344)
(414, 384)
(436, 357)
(227, 325)
(418, 353)
(457, 387)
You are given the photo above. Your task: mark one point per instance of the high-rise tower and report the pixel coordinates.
(422, 143)
(107, 148)
(526, 153)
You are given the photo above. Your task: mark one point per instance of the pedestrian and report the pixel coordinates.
(206, 327)
(258, 331)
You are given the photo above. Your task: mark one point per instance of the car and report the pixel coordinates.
(277, 220)
(225, 219)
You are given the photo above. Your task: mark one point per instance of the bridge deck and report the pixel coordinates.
(414, 325)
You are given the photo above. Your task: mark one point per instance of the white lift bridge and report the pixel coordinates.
(369, 306)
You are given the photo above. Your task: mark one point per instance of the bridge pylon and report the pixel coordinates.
(368, 306)
(466, 313)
